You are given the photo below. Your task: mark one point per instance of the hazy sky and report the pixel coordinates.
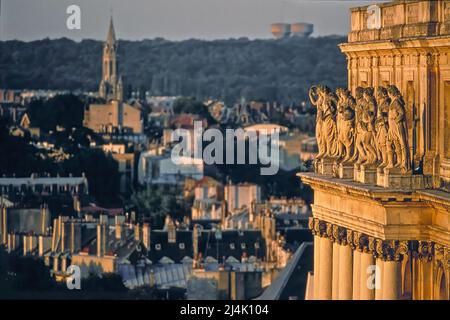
(170, 19)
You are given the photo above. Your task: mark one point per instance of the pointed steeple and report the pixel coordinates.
(111, 39)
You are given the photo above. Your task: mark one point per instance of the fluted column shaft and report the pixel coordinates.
(335, 272)
(366, 289)
(356, 274)
(345, 272)
(391, 280)
(325, 270)
(316, 266)
(379, 279)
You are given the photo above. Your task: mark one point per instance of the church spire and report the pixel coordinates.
(111, 39)
(110, 86)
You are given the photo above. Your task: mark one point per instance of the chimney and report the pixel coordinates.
(41, 245)
(25, 245)
(63, 236)
(172, 233)
(12, 242)
(44, 217)
(119, 231)
(4, 225)
(195, 238)
(72, 236)
(137, 232)
(101, 240)
(55, 234)
(146, 239)
(56, 263)
(76, 204)
(103, 219)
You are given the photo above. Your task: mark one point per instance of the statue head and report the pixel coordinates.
(381, 92)
(393, 91)
(343, 93)
(359, 92)
(368, 92)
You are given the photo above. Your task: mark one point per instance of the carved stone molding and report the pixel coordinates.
(386, 250)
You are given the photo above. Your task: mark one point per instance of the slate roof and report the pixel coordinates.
(291, 281)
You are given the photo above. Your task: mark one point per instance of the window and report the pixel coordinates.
(181, 246)
(232, 246)
(158, 246)
(256, 245)
(243, 246)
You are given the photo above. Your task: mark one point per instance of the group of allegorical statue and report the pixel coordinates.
(368, 129)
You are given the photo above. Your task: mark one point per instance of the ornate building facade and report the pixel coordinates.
(381, 181)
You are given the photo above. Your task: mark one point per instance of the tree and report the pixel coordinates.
(62, 110)
(101, 171)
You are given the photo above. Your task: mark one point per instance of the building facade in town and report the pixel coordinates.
(115, 114)
(381, 182)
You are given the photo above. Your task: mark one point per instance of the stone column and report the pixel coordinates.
(335, 272)
(356, 273)
(391, 280)
(379, 279)
(366, 292)
(345, 272)
(394, 251)
(316, 266)
(325, 269)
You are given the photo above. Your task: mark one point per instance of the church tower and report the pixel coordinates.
(111, 86)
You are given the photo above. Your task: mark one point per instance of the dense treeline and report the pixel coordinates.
(280, 70)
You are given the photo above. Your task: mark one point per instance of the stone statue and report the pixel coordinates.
(397, 132)
(316, 97)
(382, 125)
(345, 124)
(368, 115)
(326, 131)
(360, 153)
(329, 129)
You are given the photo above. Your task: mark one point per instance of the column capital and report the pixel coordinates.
(394, 250)
(423, 250)
(442, 256)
